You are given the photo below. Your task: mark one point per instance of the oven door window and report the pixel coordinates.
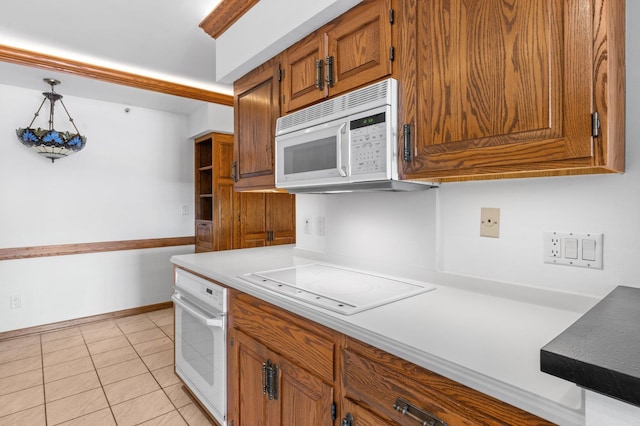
(200, 354)
(197, 347)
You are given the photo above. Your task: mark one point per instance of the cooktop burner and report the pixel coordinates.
(338, 289)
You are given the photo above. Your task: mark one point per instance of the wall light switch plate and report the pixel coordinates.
(573, 249)
(489, 222)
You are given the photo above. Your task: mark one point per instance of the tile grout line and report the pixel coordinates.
(44, 390)
(152, 375)
(41, 342)
(99, 380)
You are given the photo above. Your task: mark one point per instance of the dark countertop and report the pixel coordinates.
(601, 350)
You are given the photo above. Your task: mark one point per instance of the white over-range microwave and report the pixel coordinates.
(347, 143)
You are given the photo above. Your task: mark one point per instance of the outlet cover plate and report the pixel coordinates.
(489, 222)
(589, 249)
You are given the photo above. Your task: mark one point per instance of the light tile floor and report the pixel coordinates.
(115, 372)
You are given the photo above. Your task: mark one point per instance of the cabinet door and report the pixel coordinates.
(253, 219)
(281, 211)
(256, 109)
(224, 197)
(501, 87)
(304, 399)
(247, 402)
(301, 73)
(267, 219)
(359, 42)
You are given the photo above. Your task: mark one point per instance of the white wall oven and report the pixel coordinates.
(200, 340)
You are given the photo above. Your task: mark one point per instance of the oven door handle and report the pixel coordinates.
(215, 322)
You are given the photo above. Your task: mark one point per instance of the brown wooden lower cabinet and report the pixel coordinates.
(286, 370)
(280, 373)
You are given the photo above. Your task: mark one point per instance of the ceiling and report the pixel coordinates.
(154, 38)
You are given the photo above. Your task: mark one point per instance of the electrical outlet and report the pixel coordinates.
(14, 301)
(552, 245)
(320, 226)
(573, 249)
(307, 225)
(185, 210)
(489, 222)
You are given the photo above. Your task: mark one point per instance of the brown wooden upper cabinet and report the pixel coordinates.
(512, 89)
(351, 51)
(266, 219)
(256, 109)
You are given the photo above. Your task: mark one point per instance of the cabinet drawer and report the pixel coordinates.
(303, 342)
(204, 235)
(374, 379)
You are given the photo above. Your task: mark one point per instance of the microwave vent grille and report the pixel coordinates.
(373, 95)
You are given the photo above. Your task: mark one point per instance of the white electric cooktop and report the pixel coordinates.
(338, 289)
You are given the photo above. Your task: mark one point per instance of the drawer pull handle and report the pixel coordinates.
(424, 418)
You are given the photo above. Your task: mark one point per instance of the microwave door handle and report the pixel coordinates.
(215, 322)
(339, 150)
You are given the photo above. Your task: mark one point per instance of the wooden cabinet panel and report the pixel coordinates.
(256, 109)
(267, 219)
(246, 356)
(216, 202)
(375, 379)
(360, 415)
(299, 64)
(311, 351)
(501, 88)
(305, 400)
(303, 360)
(204, 235)
(253, 219)
(281, 210)
(225, 197)
(359, 42)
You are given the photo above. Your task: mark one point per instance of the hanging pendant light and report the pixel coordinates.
(49, 142)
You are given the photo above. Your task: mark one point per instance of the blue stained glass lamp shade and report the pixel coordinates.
(51, 143)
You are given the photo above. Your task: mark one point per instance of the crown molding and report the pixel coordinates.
(109, 75)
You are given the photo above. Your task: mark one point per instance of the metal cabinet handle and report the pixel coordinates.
(270, 379)
(273, 382)
(348, 420)
(423, 417)
(330, 74)
(234, 171)
(319, 74)
(264, 377)
(406, 142)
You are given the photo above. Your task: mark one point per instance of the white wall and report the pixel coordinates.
(442, 226)
(268, 28)
(210, 118)
(129, 182)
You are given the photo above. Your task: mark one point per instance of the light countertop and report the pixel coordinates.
(483, 334)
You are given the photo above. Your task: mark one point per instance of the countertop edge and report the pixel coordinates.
(510, 394)
(590, 363)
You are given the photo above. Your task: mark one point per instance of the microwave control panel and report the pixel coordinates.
(368, 137)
